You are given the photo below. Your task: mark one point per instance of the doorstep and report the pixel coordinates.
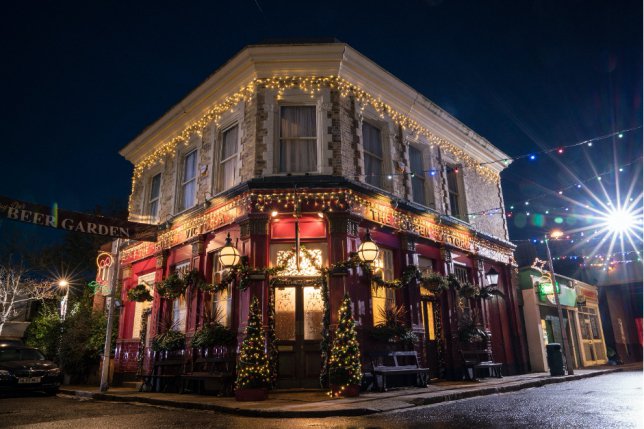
(316, 403)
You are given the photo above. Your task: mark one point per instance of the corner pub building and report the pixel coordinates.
(316, 134)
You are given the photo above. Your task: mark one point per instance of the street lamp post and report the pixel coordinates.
(564, 335)
(63, 302)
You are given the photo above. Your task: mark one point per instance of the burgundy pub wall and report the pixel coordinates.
(499, 315)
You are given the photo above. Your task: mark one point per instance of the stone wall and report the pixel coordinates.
(341, 152)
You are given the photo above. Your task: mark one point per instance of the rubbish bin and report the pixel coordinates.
(555, 359)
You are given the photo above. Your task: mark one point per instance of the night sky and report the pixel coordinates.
(80, 80)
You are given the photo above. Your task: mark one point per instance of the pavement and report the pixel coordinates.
(316, 403)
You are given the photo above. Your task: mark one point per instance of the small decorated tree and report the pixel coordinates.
(345, 371)
(253, 371)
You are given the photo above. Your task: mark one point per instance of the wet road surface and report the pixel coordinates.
(608, 401)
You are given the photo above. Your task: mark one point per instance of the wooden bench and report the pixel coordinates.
(208, 370)
(398, 364)
(164, 376)
(474, 360)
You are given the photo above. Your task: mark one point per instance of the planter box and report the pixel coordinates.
(250, 395)
(257, 276)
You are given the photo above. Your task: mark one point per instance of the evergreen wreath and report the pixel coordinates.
(139, 293)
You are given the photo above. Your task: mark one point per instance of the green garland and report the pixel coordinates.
(142, 341)
(325, 344)
(172, 287)
(139, 293)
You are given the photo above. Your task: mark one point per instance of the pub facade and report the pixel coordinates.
(297, 153)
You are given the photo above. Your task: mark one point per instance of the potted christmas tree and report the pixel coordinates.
(253, 372)
(345, 370)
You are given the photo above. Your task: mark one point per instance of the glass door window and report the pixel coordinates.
(298, 327)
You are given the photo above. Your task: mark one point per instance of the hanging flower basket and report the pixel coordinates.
(434, 282)
(172, 287)
(139, 293)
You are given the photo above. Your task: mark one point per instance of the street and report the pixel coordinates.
(608, 401)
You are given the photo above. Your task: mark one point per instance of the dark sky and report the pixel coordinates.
(81, 79)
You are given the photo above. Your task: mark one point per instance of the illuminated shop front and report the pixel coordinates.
(581, 317)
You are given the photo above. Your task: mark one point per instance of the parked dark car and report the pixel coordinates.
(25, 368)
(4, 342)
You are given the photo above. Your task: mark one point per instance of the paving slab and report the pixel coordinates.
(316, 403)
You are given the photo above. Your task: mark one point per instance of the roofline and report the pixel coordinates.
(319, 59)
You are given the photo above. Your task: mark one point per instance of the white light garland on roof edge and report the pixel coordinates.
(311, 85)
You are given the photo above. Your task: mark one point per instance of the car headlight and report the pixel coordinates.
(4, 373)
(55, 372)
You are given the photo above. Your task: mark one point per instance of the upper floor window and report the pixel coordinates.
(298, 139)
(419, 193)
(373, 154)
(229, 171)
(383, 298)
(456, 205)
(188, 191)
(154, 197)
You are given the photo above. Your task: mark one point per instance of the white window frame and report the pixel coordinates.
(150, 199)
(140, 307)
(365, 153)
(278, 136)
(182, 182)
(460, 191)
(427, 185)
(236, 157)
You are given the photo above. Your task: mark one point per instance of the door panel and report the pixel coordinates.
(431, 340)
(298, 326)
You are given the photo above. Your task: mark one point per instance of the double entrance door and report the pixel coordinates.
(298, 327)
(431, 314)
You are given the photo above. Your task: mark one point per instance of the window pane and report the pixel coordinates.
(189, 190)
(154, 209)
(228, 173)
(371, 139)
(179, 310)
(297, 121)
(298, 156)
(285, 313)
(381, 297)
(229, 144)
(222, 307)
(313, 308)
(373, 170)
(155, 187)
(418, 189)
(190, 166)
(416, 160)
(298, 144)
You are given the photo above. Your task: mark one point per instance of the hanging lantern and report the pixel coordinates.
(229, 255)
(492, 277)
(368, 250)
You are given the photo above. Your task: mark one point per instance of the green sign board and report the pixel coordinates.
(547, 289)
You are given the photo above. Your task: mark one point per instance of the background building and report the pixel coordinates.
(580, 307)
(319, 136)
